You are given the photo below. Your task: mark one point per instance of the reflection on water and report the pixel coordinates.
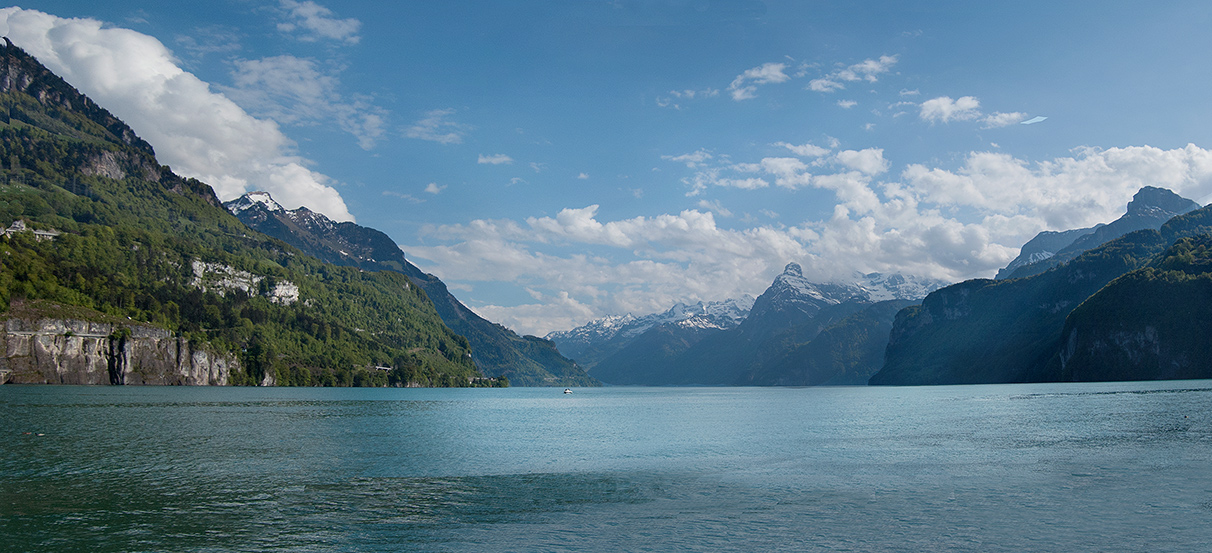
(1074, 467)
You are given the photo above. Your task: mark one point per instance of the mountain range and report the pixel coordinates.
(1133, 307)
(1150, 208)
(770, 340)
(497, 351)
(115, 269)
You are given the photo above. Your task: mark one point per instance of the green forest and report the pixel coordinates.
(132, 231)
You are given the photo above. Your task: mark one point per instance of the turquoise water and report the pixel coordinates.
(1068, 467)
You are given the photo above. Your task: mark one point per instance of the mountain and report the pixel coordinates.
(1096, 317)
(845, 353)
(786, 318)
(1149, 324)
(98, 229)
(758, 349)
(1150, 208)
(1043, 246)
(601, 338)
(496, 350)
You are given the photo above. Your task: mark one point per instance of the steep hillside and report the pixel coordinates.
(139, 243)
(1149, 324)
(847, 353)
(497, 351)
(984, 331)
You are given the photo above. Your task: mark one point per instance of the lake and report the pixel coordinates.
(1043, 467)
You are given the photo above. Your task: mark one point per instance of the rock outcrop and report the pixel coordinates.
(65, 351)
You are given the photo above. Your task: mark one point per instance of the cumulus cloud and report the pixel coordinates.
(867, 70)
(295, 91)
(744, 86)
(676, 257)
(436, 127)
(846, 104)
(200, 133)
(495, 159)
(999, 119)
(950, 223)
(317, 22)
(870, 161)
(944, 109)
(433, 188)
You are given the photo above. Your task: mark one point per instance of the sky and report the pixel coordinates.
(558, 161)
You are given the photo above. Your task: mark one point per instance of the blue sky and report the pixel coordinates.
(560, 161)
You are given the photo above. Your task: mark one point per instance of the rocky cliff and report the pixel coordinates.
(66, 351)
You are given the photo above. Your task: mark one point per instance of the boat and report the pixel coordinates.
(567, 390)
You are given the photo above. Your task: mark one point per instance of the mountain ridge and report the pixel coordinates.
(497, 351)
(135, 242)
(788, 315)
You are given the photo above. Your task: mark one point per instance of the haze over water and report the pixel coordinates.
(1058, 467)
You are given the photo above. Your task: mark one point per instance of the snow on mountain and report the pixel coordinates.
(895, 286)
(311, 220)
(716, 314)
(253, 199)
(789, 287)
(792, 287)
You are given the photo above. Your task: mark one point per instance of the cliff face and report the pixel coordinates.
(64, 351)
(1149, 324)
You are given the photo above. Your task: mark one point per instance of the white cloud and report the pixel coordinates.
(744, 86)
(691, 160)
(198, 132)
(999, 119)
(945, 109)
(434, 188)
(805, 150)
(870, 161)
(867, 70)
(908, 224)
(846, 104)
(435, 127)
(583, 176)
(317, 22)
(495, 159)
(294, 91)
(825, 85)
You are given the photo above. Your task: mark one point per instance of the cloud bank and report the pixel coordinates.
(950, 223)
(200, 133)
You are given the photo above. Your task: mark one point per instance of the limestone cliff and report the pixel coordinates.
(67, 351)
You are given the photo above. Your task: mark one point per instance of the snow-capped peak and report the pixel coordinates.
(896, 286)
(791, 288)
(251, 200)
(715, 314)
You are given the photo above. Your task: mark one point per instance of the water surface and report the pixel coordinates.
(1058, 467)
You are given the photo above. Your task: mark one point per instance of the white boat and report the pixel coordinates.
(567, 390)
